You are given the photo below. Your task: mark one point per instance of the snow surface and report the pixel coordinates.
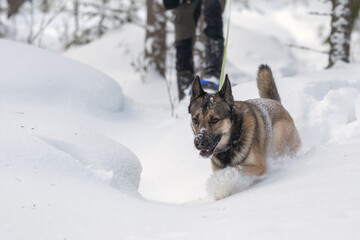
(44, 78)
(69, 135)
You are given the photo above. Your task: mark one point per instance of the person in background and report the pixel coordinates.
(187, 13)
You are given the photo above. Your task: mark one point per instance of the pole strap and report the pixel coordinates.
(225, 50)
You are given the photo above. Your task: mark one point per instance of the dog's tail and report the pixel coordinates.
(266, 83)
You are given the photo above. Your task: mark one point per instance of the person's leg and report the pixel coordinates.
(214, 38)
(185, 24)
(184, 65)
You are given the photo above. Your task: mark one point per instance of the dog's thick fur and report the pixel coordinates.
(241, 134)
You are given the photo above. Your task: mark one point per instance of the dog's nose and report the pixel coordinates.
(201, 143)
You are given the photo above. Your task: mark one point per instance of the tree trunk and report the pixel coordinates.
(1, 27)
(199, 47)
(76, 20)
(14, 6)
(341, 21)
(155, 38)
(30, 38)
(101, 28)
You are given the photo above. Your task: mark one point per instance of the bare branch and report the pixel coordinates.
(319, 14)
(306, 48)
(44, 24)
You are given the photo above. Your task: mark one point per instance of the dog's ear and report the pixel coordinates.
(197, 90)
(226, 92)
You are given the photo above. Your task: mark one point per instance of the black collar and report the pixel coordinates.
(234, 138)
(237, 123)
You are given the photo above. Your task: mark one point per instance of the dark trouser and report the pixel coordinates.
(186, 17)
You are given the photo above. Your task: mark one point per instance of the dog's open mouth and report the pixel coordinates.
(206, 152)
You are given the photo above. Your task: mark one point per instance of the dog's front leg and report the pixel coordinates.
(254, 164)
(228, 180)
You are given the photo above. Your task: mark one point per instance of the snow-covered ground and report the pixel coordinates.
(88, 156)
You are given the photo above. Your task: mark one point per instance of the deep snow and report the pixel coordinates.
(61, 179)
(69, 135)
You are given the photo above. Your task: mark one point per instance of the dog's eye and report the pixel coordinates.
(213, 121)
(195, 121)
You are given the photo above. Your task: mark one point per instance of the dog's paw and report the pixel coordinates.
(221, 183)
(228, 181)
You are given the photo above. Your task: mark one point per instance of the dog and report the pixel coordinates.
(242, 134)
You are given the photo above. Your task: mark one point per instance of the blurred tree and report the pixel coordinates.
(14, 6)
(76, 4)
(155, 38)
(102, 14)
(355, 11)
(91, 19)
(199, 46)
(45, 6)
(341, 27)
(1, 24)
(77, 22)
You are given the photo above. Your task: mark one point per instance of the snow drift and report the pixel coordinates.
(35, 88)
(38, 77)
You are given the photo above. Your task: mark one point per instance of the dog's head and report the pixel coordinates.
(211, 116)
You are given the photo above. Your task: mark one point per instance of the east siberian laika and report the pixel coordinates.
(239, 135)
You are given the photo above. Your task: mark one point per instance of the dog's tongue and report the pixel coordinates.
(205, 152)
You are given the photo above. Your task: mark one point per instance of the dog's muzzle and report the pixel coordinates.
(206, 144)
